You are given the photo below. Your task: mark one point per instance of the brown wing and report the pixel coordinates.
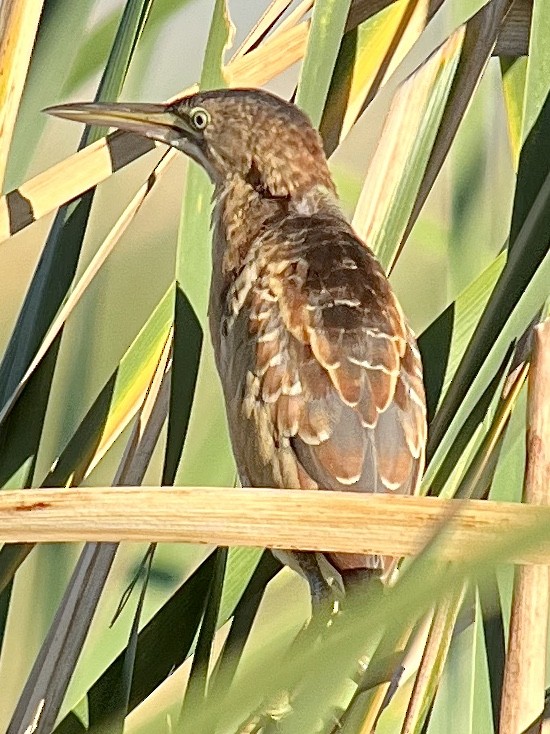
(337, 372)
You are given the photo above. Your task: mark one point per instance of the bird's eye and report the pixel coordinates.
(200, 118)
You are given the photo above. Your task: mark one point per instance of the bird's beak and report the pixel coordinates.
(154, 121)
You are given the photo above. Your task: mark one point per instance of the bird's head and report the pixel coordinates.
(244, 132)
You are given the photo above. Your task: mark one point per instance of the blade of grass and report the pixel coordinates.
(86, 278)
(162, 646)
(20, 437)
(112, 411)
(197, 685)
(327, 28)
(514, 73)
(463, 694)
(193, 268)
(243, 618)
(501, 328)
(116, 707)
(295, 16)
(53, 52)
(368, 56)
(479, 41)
(433, 659)
(397, 167)
(478, 477)
(443, 343)
(168, 639)
(529, 232)
(270, 59)
(54, 666)
(19, 24)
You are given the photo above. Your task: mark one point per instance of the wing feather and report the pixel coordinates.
(336, 366)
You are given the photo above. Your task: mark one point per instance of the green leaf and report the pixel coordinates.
(193, 268)
(54, 50)
(434, 657)
(195, 693)
(526, 308)
(163, 644)
(397, 168)
(52, 280)
(325, 35)
(529, 239)
(514, 72)
(479, 40)
(132, 22)
(443, 343)
(367, 58)
(243, 618)
(116, 708)
(463, 700)
(60, 651)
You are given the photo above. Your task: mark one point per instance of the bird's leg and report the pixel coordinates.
(325, 601)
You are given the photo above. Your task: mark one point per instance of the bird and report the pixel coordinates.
(320, 369)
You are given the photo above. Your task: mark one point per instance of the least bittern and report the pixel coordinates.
(321, 373)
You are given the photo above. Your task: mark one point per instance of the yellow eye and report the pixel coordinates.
(200, 118)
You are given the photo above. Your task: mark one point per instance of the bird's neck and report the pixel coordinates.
(241, 213)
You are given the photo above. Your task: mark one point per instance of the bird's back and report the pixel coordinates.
(321, 372)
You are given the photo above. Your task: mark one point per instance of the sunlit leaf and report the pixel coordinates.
(327, 27)
(397, 168)
(368, 56)
(18, 27)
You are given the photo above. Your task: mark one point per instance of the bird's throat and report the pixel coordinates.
(239, 216)
(242, 211)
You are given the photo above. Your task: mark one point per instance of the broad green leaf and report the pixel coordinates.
(53, 53)
(367, 58)
(244, 615)
(115, 708)
(170, 635)
(193, 268)
(197, 685)
(56, 661)
(514, 73)
(478, 221)
(463, 701)
(524, 311)
(434, 656)
(18, 29)
(63, 644)
(538, 69)
(325, 35)
(118, 402)
(529, 236)
(534, 160)
(479, 40)
(443, 343)
(52, 280)
(81, 287)
(398, 165)
(163, 644)
(478, 478)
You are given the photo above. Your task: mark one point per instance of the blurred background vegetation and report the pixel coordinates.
(444, 276)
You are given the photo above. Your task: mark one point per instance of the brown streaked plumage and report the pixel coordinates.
(320, 370)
